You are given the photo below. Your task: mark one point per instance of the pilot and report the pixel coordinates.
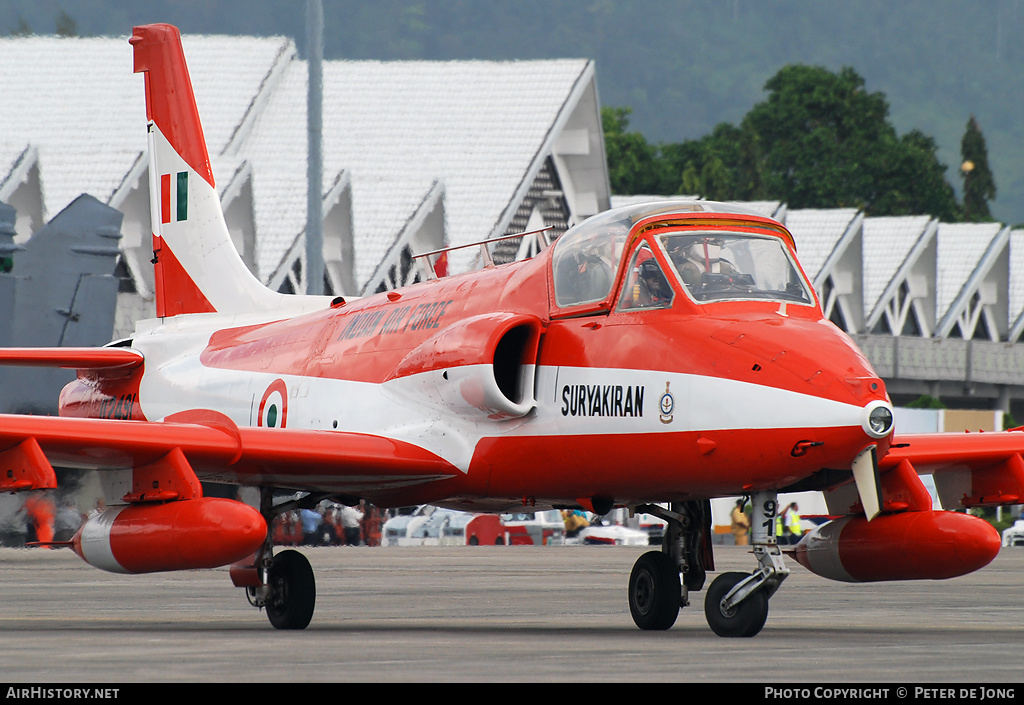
(583, 275)
(653, 288)
(697, 259)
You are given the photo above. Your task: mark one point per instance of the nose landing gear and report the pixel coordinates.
(728, 617)
(736, 604)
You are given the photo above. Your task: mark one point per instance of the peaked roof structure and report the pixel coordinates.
(474, 130)
(887, 243)
(818, 233)
(79, 104)
(416, 155)
(1016, 285)
(966, 293)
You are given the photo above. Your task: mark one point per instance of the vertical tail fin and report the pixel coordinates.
(197, 268)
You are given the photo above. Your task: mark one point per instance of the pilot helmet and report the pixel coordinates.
(649, 268)
(650, 274)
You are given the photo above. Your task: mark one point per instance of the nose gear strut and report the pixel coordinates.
(736, 604)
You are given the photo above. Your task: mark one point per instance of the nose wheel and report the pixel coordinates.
(736, 604)
(744, 619)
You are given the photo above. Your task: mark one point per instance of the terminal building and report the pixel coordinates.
(422, 155)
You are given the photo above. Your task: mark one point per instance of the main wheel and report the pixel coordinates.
(654, 591)
(292, 591)
(745, 619)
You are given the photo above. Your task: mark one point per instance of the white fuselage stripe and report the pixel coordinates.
(416, 409)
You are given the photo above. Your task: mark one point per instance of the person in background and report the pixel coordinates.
(740, 524)
(792, 527)
(373, 521)
(311, 523)
(350, 522)
(575, 521)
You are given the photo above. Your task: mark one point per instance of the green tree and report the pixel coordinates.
(926, 401)
(979, 184)
(817, 130)
(914, 181)
(819, 140)
(827, 142)
(23, 29)
(633, 165)
(722, 166)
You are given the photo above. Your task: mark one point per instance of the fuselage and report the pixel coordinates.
(536, 389)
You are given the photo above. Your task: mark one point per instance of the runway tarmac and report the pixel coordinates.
(496, 614)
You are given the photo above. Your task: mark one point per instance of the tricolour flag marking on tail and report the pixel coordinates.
(180, 199)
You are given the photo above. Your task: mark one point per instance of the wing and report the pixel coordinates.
(72, 358)
(969, 469)
(214, 448)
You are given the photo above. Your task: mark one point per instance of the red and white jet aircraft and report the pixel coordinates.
(655, 356)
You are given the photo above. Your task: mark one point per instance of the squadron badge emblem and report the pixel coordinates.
(667, 404)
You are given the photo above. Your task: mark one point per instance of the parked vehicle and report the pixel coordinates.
(653, 527)
(399, 530)
(613, 535)
(1014, 536)
(534, 529)
(430, 531)
(464, 529)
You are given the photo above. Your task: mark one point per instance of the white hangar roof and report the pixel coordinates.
(887, 244)
(1016, 275)
(78, 103)
(416, 155)
(397, 128)
(817, 233)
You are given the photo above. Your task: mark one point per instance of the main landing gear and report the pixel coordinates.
(285, 587)
(736, 604)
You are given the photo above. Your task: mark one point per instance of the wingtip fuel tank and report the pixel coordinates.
(908, 546)
(200, 533)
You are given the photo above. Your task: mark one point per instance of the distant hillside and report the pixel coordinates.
(682, 66)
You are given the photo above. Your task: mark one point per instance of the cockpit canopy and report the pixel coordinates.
(722, 265)
(717, 263)
(586, 258)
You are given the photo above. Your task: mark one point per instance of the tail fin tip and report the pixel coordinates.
(170, 101)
